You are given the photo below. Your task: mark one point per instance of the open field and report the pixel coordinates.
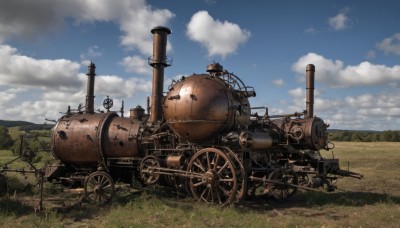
(373, 201)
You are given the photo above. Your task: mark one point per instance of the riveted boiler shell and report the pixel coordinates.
(198, 108)
(91, 138)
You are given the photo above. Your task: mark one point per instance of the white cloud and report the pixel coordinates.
(119, 87)
(92, 53)
(136, 64)
(21, 70)
(370, 101)
(7, 96)
(336, 74)
(278, 82)
(320, 104)
(390, 45)
(39, 88)
(341, 21)
(326, 69)
(367, 112)
(219, 38)
(297, 93)
(29, 19)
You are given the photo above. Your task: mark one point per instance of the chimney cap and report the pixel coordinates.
(310, 67)
(214, 68)
(161, 28)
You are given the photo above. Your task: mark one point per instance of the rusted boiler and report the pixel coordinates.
(201, 137)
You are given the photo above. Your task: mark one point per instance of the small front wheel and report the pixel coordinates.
(99, 188)
(283, 184)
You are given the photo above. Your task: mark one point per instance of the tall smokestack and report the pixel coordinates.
(89, 106)
(310, 71)
(159, 61)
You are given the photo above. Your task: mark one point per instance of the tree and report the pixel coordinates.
(356, 137)
(390, 136)
(5, 139)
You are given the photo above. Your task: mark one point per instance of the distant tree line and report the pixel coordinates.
(10, 123)
(364, 136)
(36, 127)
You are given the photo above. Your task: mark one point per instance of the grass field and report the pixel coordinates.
(373, 201)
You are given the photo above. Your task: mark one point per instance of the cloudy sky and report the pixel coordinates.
(46, 45)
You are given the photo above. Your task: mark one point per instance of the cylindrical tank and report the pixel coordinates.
(310, 133)
(137, 113)
(121, 139)
(91, 138)
(200, 107)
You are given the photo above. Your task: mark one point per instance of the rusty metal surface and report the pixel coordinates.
(77, 138)
(255, 140)
(121, 138)
(89, 105)
(158, 62)
(310, 133)
(92, 138)
(137, 113)
(310, 71)
(199, 108)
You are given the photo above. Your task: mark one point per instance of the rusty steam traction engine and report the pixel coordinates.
(201, 136)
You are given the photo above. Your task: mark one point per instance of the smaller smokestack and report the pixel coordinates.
(310, 71)
(89, 106)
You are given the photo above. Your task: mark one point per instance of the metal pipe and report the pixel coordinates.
(310, 71)
(89, 105)
(148, 106)
(159, 61)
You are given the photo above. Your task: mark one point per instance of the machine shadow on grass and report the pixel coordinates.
(175, 199)
(83, 210)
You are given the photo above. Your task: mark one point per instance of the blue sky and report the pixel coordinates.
(46, 45)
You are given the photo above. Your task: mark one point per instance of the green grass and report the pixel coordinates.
(373, 201)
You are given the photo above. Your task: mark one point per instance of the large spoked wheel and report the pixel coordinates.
(99, 188)
(147, 170)
(240, 175)
(3, 185)
(282, 184)
(214, 179)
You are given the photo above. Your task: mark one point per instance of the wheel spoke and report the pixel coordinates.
(223, 167)
(199, 166)
(104, 183)
(224, 191)
(199, 184)
(219, 199)
(208, 160)
(204, 191)
(216, 160)
(227, 180)
(108, 189)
